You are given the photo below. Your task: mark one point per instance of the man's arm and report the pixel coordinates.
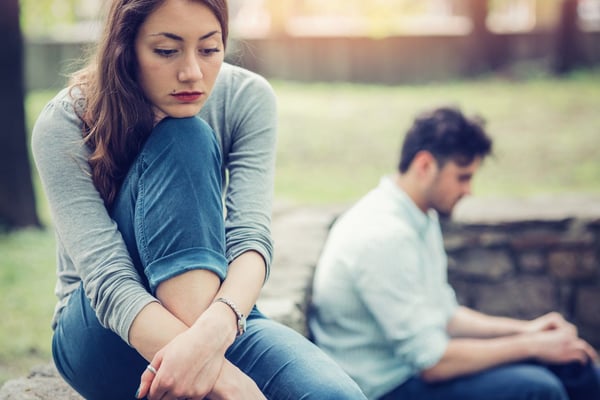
(467, 322)
(474, 324)
(464, 356)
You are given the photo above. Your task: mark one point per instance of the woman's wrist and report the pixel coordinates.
(219, 317)
(240, 317)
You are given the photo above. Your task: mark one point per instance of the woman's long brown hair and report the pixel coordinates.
(117, 117)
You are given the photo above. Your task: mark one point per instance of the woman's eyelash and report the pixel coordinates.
(171, 52)
(165, 52)
(210, 51)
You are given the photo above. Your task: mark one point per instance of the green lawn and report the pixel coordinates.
(335, 141)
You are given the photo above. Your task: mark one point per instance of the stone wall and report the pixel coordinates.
(524, 259)
(518, 257)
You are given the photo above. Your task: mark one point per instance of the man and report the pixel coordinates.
(383, 309)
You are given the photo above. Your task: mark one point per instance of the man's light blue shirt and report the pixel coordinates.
(381, 301)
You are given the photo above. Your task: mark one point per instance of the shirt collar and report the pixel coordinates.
(418, 219)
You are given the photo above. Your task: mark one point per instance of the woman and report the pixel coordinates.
(154, 284)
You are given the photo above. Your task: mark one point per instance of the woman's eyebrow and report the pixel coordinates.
(180, 39)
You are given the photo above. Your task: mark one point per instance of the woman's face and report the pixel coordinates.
(180, 51)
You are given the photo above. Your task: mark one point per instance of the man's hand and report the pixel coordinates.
(547, 322)
(561, 345)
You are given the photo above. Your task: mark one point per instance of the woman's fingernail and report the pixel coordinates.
(137, 394)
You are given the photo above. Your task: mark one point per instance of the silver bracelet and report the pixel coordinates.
(241, 318)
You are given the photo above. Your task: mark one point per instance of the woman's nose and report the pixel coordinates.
(190, 70)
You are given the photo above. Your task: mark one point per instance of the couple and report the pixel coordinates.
(162, 218)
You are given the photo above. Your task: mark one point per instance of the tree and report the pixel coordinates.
(17, 199)
(568, 52)
(488, 54)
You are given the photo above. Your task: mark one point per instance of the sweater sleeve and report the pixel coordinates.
(93, 245)
(244, 111)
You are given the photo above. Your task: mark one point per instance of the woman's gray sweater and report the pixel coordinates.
(241, 110)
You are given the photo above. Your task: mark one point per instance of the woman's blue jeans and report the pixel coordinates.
(522, 381)
(174, 188)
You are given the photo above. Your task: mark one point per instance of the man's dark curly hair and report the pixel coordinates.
(448, 135)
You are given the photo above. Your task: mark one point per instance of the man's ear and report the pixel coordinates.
(425, 165)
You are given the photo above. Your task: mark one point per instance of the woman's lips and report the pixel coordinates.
(187, 97)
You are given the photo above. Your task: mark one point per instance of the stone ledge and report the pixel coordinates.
(473, 210)
(43, 383)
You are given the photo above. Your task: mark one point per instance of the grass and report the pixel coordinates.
(27, 301)
(335, 141)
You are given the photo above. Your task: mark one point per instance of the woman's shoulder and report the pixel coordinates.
(60, 116)
(238, 94)
(231, 72)
(234, 79)
(67, 104)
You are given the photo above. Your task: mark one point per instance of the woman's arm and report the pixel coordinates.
(182, 370)
(91, 249)
(213, 327)
(242, 110)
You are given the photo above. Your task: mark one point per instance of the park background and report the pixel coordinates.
(349, 77)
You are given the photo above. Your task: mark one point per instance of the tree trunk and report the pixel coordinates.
(487, 53)
(17, 199)
(568, 53)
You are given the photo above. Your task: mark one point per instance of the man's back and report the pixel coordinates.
(384, 251)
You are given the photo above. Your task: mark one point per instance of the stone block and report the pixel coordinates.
(465, 291)
(532, 261)
(591, 334)
(540, 239)
(587, 305)
(519, 297)
(573, 264)
(43, 383)
(458, 239)
(483, 264)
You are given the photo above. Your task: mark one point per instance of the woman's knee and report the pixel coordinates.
(180, 169)
(189, 140)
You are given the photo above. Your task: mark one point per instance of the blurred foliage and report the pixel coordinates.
(38, 17)
(42, 18)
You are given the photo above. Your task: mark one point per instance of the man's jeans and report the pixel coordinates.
(170, 203)
(523, 381)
